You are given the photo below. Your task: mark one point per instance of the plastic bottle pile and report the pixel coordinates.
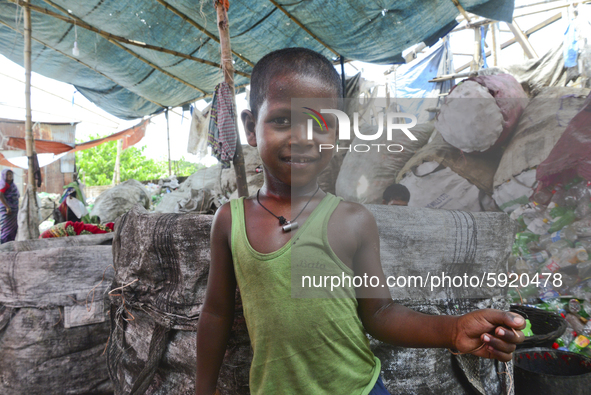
(552, 259)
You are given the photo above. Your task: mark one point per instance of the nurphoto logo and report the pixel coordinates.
(345, 129)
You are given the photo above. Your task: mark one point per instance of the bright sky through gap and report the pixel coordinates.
(52, 100)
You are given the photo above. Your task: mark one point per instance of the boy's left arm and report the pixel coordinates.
(401, 326)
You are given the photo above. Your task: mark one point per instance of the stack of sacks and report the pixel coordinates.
(441, 176)
(480, 113)
(543, 122)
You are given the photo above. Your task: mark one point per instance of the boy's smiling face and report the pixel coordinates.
(287, 155)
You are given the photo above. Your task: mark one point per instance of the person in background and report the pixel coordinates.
(9, 196)
(396, 195)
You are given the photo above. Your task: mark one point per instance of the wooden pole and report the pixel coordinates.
(30, 143)
(496, 47)
(512, 41)
(117, 172)
(200, 28)
(168, 138)
(522, 40)
(477, 50)
(461, 9)
(228, 69)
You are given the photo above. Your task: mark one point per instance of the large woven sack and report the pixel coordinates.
(165, 260)
(441, 176)
(543, 122)
(364, 176)
(162, 263)
(118, 200)
(481, 112)
(56, 242)
(53, 324)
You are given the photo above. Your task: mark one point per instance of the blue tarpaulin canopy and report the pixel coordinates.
(131, 81)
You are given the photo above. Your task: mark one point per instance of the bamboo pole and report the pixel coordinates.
(512, 41)
(33, 209)
(477, 50)
(522, 40)
(200, 28)
(228, 68)
(168, 139)
(30, 143)
(461, 9)
(117, 172)
(496, 48)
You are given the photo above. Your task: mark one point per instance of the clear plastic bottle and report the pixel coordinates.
(539, 257)
(571, 256)
(585, 243)
(583, 208)
(554, 248)
(543, 196)
(558, 195)
(583, 227)
(566, 233)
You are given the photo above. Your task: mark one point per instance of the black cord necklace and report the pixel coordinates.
(287, 226)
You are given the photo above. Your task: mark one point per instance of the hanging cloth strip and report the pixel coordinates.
(221, 136)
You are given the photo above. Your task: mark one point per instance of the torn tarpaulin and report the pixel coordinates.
(571, 155)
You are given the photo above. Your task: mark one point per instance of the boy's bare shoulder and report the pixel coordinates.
(222, 220)
(351, 213)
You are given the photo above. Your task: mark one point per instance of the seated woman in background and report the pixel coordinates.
(9, 195)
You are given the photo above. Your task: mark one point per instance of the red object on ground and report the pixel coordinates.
(571, 156)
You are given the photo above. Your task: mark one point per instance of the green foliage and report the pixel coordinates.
(98, 164)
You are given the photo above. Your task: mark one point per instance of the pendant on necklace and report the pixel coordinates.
(282, 220)
(290, 226)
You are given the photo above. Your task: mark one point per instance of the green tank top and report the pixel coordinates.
(300, 345)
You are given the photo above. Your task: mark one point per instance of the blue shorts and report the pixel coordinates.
(379, 388)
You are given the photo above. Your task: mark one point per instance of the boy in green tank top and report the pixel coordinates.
(300, 345)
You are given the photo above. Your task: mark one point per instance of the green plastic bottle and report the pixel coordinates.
(567, 219)
(527, 332)
(579, 344)
(521, 241)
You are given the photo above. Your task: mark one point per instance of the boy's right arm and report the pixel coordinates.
(217, 312)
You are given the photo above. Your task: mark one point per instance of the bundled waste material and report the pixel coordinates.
(364, 176)
(162, 264)
(480, 113)
(206, 179)
(120, 199)
(551, 259)
(540, 127)
(210, 187)
(171, 183)
(441, 176)
(53, 327)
